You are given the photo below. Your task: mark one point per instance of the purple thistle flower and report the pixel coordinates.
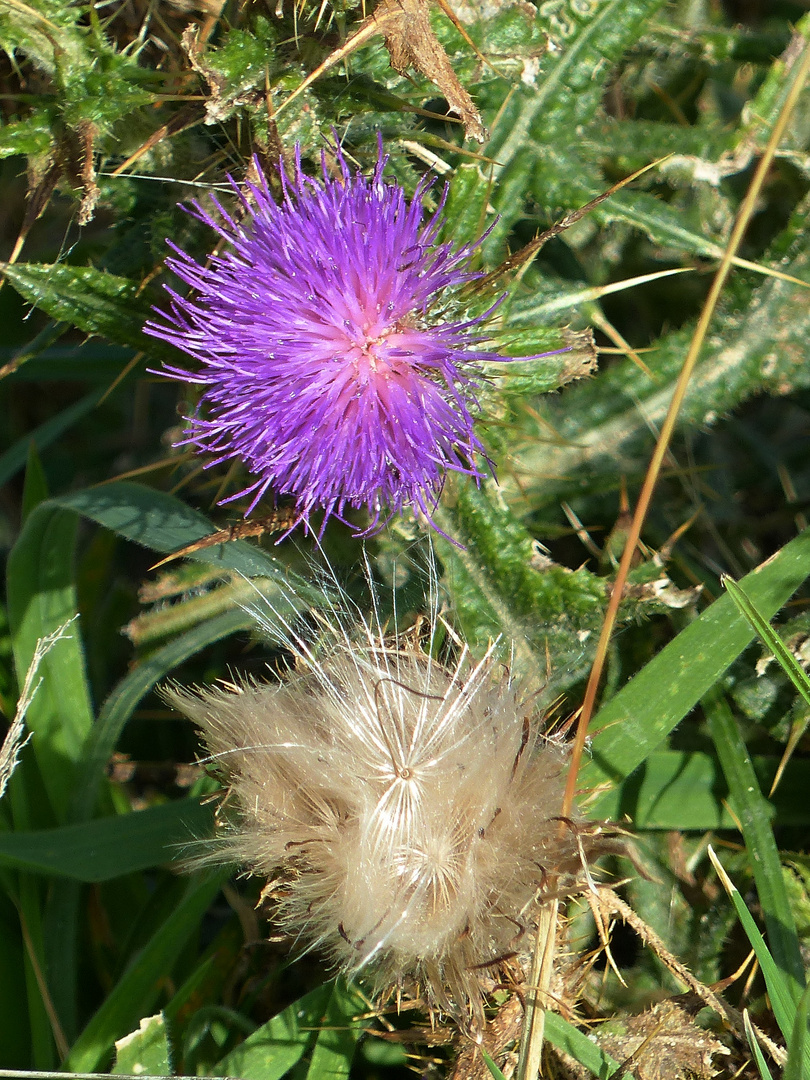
(326, 364)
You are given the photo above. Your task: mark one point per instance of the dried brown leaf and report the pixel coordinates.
(501, 1033)
(410, 41)
(219, 105)
(275, 522)
(409, 38)
(85, 139)
(663, 1043)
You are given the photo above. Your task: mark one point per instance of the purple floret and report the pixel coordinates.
(326, 364)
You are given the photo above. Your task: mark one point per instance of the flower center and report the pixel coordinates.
(369, 350)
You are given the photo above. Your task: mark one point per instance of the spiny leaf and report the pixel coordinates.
(92, 300)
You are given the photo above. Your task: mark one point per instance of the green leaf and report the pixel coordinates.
(753, 1042)
(764, 108)
(102, 92)
(15, 1031)
(465, 208)
(43, 33)
(274, 1048)
(635, 143)
(639, 717)
(92, 300)
(29, 902)
(237, 66)
(44, 434)
(754, 813)
(121, 703)
(780, 987)
(91, 361)
(144, 1051)
(42, 598)
(500, 587)
(576, 1043)
(140, 985)
(677, 789)
(35, 489)
(663, 224)
(31, 136)
(336, 1042)
(602, 426)
(790, 665)
(494, 1071)
(797, 1066)
(165, 524)
(323, 1021)
(110, 847)
(588, 39)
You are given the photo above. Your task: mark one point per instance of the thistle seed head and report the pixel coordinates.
(406, 810)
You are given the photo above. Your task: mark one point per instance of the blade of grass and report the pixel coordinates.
(336, 1041)
(109, 847)
(494, 1071)
(41, 598)
(160, 522)
(790, 665)
(136, 991)
(569, 300)
(753, 1042)
(684, 790)
(754, 813)
(119, 706)
(797, 1066)
(15, 457)
(576, 1043)
(15, 1031)
(779, 986)
(46, 1031)
(637, 719)
(274, 1048)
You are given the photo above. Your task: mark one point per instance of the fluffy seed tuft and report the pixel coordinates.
(403, 810)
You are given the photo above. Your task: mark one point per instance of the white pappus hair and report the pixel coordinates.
(405, 810)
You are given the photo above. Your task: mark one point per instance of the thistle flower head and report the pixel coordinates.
(403, 810)
(329, 364)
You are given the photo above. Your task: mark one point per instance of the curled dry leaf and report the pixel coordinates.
(664, 1043)
(409, 38)
(84, 138)
(220, 103)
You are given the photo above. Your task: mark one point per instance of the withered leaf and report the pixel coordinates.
(275, 522)
(71, 157)
(220, 103)
(663, 1043)
(409, 38)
